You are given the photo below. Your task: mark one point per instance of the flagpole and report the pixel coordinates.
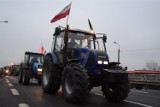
(67, 20)
(68, 16)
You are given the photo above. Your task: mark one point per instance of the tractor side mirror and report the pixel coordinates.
(126, 68)
(57, 31)
(104, 38)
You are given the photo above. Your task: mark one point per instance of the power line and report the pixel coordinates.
(149, 49)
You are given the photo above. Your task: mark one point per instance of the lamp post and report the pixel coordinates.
(118, 51)
(4, 21)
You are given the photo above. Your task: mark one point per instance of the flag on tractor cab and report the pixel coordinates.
(42, 50)
(62, 14)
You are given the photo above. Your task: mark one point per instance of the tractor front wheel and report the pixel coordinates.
(50, 82)
(26, 77)
(75, 83)
(20, 76)
(116, 92)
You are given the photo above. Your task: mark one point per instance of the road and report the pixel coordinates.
(13, 94)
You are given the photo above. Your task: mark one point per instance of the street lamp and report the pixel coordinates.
(118, 51)
(4, 21)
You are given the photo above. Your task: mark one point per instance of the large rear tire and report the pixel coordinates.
(116, 92)
(20, 76)
(75, 83)
(50, 82)
(26, 77)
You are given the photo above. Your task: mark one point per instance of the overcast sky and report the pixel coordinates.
(134, 24)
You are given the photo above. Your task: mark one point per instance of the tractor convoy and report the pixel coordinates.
(78, 62)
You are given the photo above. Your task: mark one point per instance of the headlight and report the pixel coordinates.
(99, 62)
(7, 71)
(40, 69)
(105, 62)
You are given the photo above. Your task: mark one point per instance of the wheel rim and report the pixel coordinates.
(69, 83)
(46, 74)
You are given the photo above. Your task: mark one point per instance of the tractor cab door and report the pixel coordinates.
(58, 46)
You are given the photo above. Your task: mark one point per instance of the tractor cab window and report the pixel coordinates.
(59, 42)
(36, 58)
(98, 44)
(79, 40)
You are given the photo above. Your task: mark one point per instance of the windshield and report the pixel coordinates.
(36, 58)
(80, 40)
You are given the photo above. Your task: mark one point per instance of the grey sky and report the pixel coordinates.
(134, 24)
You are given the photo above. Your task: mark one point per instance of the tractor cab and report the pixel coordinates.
(74, 44)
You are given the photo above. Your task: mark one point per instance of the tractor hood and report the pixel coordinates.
(36, 65)
(91, 59)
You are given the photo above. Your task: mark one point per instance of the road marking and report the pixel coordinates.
(7, 80)
(98, 94)
(137, 103)
(23, 105)
(145, 92)
(144, 105)
(10, 84)
(14, 92)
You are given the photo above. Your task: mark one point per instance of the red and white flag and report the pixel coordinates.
(62, 14)
(42, 50)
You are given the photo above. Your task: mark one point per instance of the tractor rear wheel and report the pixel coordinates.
(26, 77)
(50, 82)
(75, 83)
(116, 92)
(20, 76)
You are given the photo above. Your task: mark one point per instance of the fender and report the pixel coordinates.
(53, 56)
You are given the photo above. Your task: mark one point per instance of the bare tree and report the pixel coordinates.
(152, 66)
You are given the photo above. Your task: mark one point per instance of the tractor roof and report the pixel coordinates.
(33, 53)
(78, 31)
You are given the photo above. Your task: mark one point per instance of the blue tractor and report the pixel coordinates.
(78, 62)
(31, 67)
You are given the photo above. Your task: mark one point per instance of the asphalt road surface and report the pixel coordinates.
(13, 94)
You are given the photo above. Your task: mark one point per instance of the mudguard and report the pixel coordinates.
(115, 75)
(54, 56)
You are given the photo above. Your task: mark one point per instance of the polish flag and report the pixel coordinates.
(62, 14)
(42, 50)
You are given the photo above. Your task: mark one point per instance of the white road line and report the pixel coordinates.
(137, 103)
(10, 84)
(144, 105)
(98, 94)
(145, 92)
(7, 81)
(23, 105)
(14, 92)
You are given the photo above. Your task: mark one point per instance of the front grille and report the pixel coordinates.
(91, 60)
(39, 66)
